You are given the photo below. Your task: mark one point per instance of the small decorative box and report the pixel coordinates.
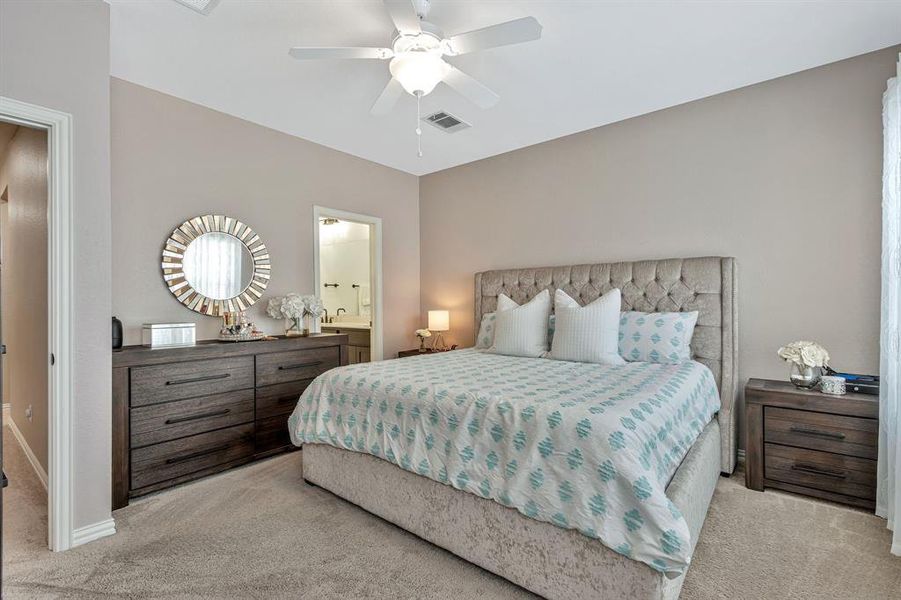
(167, 335)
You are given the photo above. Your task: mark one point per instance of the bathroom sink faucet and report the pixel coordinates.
(338, 312)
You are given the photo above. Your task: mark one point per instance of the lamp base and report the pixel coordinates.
(438, 344)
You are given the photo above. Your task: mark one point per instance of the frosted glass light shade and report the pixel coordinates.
(418, 71)
(439, 320)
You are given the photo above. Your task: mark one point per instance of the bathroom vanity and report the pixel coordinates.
(358, 339)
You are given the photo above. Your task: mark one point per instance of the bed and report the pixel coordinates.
(565, 478)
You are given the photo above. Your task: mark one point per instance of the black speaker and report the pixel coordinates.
(117, 333)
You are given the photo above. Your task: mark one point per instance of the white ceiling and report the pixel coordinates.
(597, 62)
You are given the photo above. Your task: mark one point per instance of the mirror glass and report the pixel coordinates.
(218, 265)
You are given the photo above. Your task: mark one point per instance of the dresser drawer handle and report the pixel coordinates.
(817, 432)
(215, 413)
(184, 457)
(299, 366)
(199, 379)
(815, 471)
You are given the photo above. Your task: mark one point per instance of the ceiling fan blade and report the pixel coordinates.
(387, 99)
(404, 15)
(502, 34)
(307, 53)
(470, 88)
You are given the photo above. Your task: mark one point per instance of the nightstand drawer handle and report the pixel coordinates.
(827, 434)
(815, 471)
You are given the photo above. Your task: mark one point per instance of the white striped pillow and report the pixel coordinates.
(522, 330)
(587, 333)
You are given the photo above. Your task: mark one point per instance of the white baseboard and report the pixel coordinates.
(41, 473)
(89, 533)
(7, 412)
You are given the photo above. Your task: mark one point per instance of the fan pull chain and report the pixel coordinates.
(418, 124)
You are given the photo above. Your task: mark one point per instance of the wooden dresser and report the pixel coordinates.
(184, 413)
(811, 443)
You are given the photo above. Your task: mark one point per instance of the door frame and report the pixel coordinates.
(376, 339)
(60, 451)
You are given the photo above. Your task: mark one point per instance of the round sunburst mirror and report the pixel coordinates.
(216, 264)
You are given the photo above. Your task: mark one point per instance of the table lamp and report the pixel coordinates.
(439, 321)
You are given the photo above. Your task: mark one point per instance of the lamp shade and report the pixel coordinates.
(418, 72)
(439, 320)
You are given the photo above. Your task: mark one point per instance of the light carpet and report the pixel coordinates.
(260, 532)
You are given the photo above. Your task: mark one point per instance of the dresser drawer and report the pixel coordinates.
(852, 436)
(279, 399)
(835, 473)
(172, 420)
(176, 458)
(272, 434)
(281, 367)
(175, 381)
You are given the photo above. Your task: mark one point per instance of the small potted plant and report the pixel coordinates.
(807, 360)
(422, 334)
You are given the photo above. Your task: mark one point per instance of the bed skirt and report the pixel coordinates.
(553, 562)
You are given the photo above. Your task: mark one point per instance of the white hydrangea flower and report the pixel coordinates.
(805, 353)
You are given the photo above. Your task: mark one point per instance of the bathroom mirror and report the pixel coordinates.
(215, 264)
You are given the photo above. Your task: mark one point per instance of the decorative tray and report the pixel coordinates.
(241, 337)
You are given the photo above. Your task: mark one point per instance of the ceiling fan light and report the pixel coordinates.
(418, 72)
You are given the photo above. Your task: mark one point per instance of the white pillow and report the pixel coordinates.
(522, 330)
(485, 337)
(587, 333)
(657, 337)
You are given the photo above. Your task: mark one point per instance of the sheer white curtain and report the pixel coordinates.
(888, 495)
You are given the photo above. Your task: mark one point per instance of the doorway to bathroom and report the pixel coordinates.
(348, 278)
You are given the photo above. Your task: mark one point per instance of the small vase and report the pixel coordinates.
(315, 324)
(297, 328)
(803, 376)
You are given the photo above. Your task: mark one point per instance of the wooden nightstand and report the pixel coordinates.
(811, 443)
(416, 352)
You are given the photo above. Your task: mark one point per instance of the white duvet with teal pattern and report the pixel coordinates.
(583, 446)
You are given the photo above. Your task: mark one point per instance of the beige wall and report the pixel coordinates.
(173, 160)
(56, 54)
(23, 181)
(784, 175)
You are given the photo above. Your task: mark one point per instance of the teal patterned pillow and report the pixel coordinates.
(656, 337)
(485, 339)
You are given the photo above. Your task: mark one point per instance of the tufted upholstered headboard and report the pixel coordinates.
(705, 284)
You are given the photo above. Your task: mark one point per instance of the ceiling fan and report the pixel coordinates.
(417, 54)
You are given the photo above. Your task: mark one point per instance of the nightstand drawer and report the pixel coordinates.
(834, 473)
(852, 436)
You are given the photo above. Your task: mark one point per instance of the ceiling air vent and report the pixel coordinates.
(446, 122)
